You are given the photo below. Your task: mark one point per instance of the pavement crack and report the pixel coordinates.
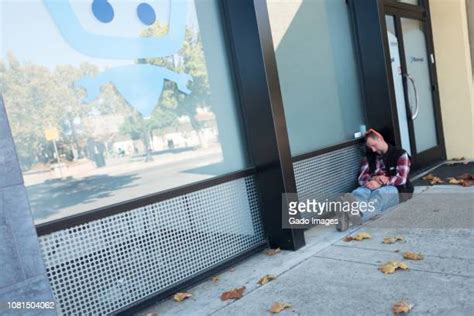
(411, 269)
(391, 251)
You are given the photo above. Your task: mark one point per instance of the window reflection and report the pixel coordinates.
(94, 126)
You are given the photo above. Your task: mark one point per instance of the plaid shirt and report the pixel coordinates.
(403, 169)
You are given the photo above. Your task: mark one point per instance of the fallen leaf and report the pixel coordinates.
(391, 266)
(467, 183)
(387, 268)
(363, 235)
(233, 294)
(401, 307)
(278, 307)
(272, 252)
(466, 176)
(412, 255)
(358, 237)
(453, 180)
(428, 177)
(432, 179)
(215, 279)
(181, 296)
(436, 180)
(392, 239)
(266, 278)
(403, 265)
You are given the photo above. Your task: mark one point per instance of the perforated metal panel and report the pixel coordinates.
(328, 175)
(104, 265)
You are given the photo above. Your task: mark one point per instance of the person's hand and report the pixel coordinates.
(382, 179)
(373, 184)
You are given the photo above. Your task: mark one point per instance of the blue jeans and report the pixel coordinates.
(382, 198)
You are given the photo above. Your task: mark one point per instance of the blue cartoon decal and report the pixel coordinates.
(145, 93)
(140, 84)
(103, 11)
(146, 14)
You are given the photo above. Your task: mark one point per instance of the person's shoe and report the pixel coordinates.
(342, 219)
(354, 219)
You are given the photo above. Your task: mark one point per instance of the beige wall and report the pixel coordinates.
(451, 41)
(470, 21)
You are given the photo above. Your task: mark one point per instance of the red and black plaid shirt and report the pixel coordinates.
(403, 169)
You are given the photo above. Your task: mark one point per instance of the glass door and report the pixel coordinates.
(397, 76)
(409, 45)
(419, 85)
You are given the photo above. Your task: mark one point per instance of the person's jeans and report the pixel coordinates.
(382, 198)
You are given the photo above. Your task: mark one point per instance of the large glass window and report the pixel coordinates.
(318, 72)
(114, 100)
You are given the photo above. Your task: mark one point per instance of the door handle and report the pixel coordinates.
(414, 113)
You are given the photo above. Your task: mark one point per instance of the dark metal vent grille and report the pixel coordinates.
(104, 265)
(328, 175)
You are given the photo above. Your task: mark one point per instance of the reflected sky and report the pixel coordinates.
(29, 32)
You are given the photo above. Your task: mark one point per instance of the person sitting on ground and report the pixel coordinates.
(383, 181)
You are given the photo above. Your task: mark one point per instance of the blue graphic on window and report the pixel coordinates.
(146, 14)
(129, 80)
(103, 11)
(141, 83)
(104, 46)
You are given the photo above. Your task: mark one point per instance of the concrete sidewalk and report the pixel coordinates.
(332, 277)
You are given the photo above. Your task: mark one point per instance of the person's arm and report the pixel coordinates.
(364, 175)
(403, 169)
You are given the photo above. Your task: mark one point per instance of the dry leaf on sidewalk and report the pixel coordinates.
(266, 278)
(272, 252)
(402, 307)
(278, 307)
(181, 296)
(391, 266)
(466, 176)
(436, 180)
(412, 255)
(428, 177)
(465, 180)
(453, 180)
(233, 294)
(358, 237)
(432, 179)
(215, 279)
(392, 239)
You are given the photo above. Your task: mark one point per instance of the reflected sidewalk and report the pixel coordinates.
(125, 165)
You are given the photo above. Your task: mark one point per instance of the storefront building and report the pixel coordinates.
(145, 146)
